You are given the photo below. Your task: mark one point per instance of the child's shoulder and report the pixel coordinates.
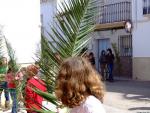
(90, 105)
(92, 100)
(93, 105)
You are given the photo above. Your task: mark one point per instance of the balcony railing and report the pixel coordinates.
(114, 13)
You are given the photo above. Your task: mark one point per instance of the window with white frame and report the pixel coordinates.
(146, 7)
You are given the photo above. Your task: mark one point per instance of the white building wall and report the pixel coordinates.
(141, 41)
(48, 11)
(21, 26)
(141, 29)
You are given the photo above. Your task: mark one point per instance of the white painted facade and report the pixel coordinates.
(21, 26)
(140, 39)
(48, 11)
(141, 30)
(111, 36)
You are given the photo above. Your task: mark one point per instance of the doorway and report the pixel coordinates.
(103, 44)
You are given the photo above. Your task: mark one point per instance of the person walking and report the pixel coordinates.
(11, 81)
(110, 63)
(103, 64)
(78, 86)
(3, 82)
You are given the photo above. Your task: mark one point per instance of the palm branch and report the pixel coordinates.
(2, 52)
(74, 25)
(6, 48)
(2, 44)
(12, 58)
(14, 67)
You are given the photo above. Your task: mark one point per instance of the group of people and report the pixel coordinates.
(10, 81)
(78, 84)
(106, 63)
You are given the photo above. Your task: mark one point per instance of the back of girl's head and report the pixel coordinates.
(76, 80)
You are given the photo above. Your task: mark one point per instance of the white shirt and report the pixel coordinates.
(91, 105)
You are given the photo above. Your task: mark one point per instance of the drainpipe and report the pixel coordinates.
(136, 13)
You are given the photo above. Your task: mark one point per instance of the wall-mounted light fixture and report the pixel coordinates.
(128, 26)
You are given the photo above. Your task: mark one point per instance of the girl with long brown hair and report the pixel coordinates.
(79, 86)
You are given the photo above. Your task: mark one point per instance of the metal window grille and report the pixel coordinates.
(125, 45)
(115, 12)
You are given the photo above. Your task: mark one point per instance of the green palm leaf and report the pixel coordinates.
(12, 58)
(2, 43)
(47, 96)
(74, 25)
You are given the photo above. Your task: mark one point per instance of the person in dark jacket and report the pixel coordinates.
(110, 63)
(103, 62)
(92, 59)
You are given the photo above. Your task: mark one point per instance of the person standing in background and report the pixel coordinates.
(11, 82)
(92, 59)
(32, 99)
(103, 63)
(3, 82)
(110, 63)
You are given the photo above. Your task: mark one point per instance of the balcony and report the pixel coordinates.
(113, 15)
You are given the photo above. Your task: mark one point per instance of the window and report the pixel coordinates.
(146, 7)
(125, 45)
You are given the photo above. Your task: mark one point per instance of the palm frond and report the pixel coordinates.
(47, 96)
(14, 68)
(2, 43)
(74, 23)
(12, 58)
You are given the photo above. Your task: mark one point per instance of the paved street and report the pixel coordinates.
(125, 96)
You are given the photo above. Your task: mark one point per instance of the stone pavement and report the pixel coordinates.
(127, 96)
(9, 111)
(21, 110)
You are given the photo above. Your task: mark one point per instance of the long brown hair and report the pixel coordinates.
(77, 80)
